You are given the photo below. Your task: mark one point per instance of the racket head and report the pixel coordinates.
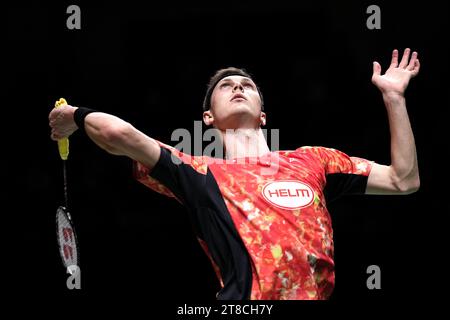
(67, 240)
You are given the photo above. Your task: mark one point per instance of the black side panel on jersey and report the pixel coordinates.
(339, 184)
(212, 222)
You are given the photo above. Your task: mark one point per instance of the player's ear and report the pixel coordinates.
(262, 118)
(208, 118)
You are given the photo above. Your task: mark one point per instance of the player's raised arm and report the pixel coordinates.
(402, 175)
(109, 132)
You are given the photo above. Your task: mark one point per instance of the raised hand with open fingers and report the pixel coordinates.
(396, 78)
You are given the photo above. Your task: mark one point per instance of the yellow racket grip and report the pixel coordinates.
(63, 144)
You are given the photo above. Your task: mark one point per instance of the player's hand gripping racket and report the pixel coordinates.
(65, 232)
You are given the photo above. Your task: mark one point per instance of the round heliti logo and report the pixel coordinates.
(288, 194)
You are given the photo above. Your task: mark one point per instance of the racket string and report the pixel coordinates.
(67, 240)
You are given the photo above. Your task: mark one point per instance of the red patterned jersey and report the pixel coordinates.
(263, 221)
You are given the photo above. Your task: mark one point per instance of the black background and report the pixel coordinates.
(149, 64)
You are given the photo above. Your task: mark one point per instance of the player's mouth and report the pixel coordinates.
(238, 97)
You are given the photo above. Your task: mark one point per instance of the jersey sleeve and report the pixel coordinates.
(344, 174)
(176, 175)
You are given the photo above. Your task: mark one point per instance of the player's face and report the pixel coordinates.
(235, 103)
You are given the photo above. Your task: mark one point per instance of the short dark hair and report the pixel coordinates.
(219, 75)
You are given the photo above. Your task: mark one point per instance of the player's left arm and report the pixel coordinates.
(402, 175)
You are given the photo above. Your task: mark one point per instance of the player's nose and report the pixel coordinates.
(239, 86)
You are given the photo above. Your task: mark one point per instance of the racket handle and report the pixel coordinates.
(63, 144)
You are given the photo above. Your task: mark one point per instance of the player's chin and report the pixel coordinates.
(241, 110)
(239, 101)
(241, 106)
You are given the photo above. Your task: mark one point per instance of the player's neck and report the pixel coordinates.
(245, 142)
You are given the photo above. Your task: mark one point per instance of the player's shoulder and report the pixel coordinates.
(307, 150)
(300, 152)
(199, 163)
(317, 152)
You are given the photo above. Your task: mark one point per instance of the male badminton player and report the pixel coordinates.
(269, 236)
